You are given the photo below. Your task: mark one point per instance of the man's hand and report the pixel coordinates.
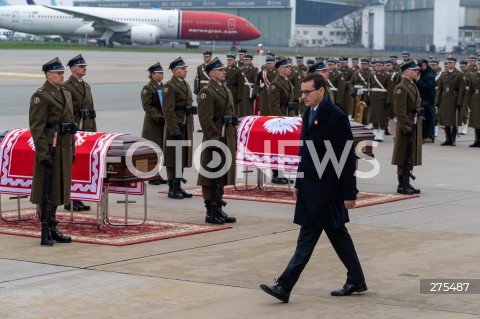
(73, 158)
(349, 204)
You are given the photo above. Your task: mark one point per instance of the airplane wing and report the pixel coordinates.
(115, 26)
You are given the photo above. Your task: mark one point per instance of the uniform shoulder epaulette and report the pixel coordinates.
(40, 89)
(206, 86)
(65, 88)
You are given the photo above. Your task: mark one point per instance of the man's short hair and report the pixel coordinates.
(318, 80)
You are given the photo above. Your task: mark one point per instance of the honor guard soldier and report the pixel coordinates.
(347, 72)
(83, 110)
(359, 89)
(154, 121)
(178, 112)
(52, 127)
(395, 65)
(395, 77)
(355, 64)
(301, 68)
(405, 56)
(320, 68)
(381, 87)
(280, 99)
(241, 57)
(407, 150)
(250, 73)
(472, 65)
(336, 83)
(449, 100)
(264, 78)
(295, 79)
(435, 64)
(463, 126)
(234, 81)
(202, 78)
(218, 121)
(309, 63)
(474, 103)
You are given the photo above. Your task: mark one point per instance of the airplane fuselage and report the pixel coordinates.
(144, 25)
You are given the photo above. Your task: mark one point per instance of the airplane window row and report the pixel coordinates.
(130, 19)
(208, 22)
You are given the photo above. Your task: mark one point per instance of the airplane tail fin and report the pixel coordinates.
(31, 3)
(3, 3)
(53, 3)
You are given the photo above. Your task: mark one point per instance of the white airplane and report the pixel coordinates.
(143, 26)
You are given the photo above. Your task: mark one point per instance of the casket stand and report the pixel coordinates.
(253, 152)
(106, 163)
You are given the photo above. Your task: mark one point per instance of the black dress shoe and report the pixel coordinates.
(81, 204)
(349, 289)
(158, 182)
(279, 180)
(184, 193)
(277, 291)
(215, 219)
(76, 207)
(225, 217)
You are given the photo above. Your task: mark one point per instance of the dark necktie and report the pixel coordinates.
(310, 117)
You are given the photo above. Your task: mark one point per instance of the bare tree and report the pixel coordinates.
(353, 24)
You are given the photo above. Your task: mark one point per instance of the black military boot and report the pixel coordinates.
(173, 189)
(448, 136)
(477, 139)
(182, 191)
(402, 188)
(454, 136)
(278, 180)
(212, 218)
(46, 239)
(222, 213)
(413, 189)
(81, 204)
(57, 235)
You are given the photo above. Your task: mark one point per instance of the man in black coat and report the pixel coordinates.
(426, 87)
(324, 191)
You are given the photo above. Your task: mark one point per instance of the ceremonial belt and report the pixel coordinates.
(204, 81)
(332, 87)
(476, 91)
(438, 75)
(379, 84)
(265, 78)
(449, 89)
(362, 78)
(378, 90)
(63, 128)
(226, 119)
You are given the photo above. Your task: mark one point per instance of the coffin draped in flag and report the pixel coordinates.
(269, 142)
(17, 152)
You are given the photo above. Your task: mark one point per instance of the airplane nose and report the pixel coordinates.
(256, 33)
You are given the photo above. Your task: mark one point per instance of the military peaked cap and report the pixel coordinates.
(409, 65)
(282, 62)
(230, 57)
(317, 67)
(215, 64)
(156, 68)
(177, 63)
(451, 59)
(207, 53)
(242, 51)
(248, 57)
(54, 65)
(78, 60)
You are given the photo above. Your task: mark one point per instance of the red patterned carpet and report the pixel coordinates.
(116, 236)
(280, 194)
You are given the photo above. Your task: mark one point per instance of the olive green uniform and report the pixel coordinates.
(153, 122)
(82, 100)
(264, 79)
(236, 83)
(381, 88)
(449, 98)
(280, 94)
(248, 98)
(336, 84)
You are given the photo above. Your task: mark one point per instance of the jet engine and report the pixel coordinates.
(145, 34)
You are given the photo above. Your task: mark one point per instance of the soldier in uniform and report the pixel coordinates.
(201, 78)
(347, 72)
(405, 56)
(301, 68)
(358, 85)
(474, 102)
(472, 65)
(463, 129)
(250, 74)
(153, 122)
(295, 79)
(449, 100)
(235, 81)
(320, 68)
(262, 83)
(83, 111)
(380, 84)
(406, 101)
(395, 77)
(395, 65)
(217, 119)
(51, 123)
(280, 99)
(309, 63)
(336, 83)
(434, 64)
(178, 112)
(241, 57)
(355, 65)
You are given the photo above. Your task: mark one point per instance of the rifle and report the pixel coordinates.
(408, 158)
(48, 210)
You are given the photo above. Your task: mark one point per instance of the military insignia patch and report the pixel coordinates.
(144, 91)
(36, 100)
(272, 87)
(165, 90)
(399, 91)
(203, 96)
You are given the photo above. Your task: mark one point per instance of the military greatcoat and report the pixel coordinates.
(49, 105)
(176, 96)
(380, 97)
(214, 102)
(153, 122)
(262, 84)
(474, 99)
(450, 95)
(406, 99)
(347, 102)
(82, 100)
(246, 105)
(336, 84)
(235, 82)
(280, 94)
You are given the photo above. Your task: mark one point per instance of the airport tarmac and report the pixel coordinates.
(216, 275)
